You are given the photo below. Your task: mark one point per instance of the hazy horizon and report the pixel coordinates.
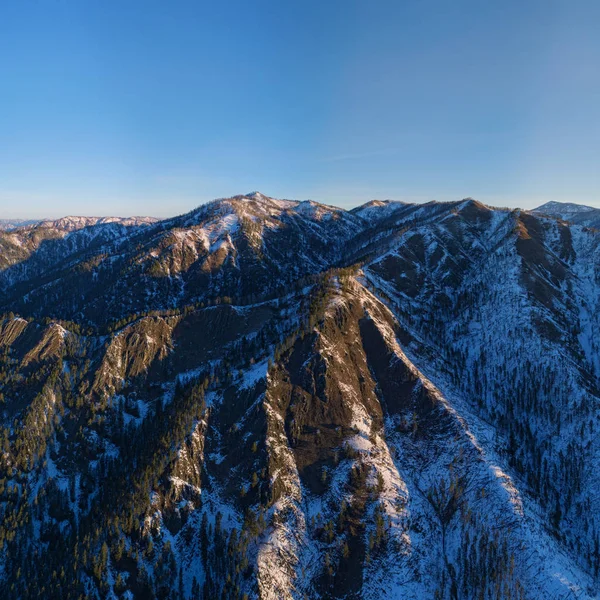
(190, 208)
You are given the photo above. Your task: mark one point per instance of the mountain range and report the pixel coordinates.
(276, 399)
(8, 224)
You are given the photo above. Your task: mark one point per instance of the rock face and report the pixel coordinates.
(276, 399)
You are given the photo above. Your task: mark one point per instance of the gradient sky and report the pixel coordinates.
(152, 107)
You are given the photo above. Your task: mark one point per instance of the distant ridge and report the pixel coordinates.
(8, 224)
(572, 212)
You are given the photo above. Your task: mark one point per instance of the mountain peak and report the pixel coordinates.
(554, 207)
(378, 209)
(258, 196)
(580, 214)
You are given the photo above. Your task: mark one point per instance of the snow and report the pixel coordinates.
(254, 374)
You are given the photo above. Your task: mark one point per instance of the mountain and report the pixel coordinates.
(574, 213)
(41, 245)
(241, 247)
(277, 399)
(8, 224)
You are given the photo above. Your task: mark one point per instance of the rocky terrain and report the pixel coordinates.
(276, 399)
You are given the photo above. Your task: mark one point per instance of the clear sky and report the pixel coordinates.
(152, 107)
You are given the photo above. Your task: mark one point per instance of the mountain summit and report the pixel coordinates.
(569, 211)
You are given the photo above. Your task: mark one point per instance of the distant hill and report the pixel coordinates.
(569, 211)
(7, 224)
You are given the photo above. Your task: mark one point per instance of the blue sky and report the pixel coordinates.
(153, 107)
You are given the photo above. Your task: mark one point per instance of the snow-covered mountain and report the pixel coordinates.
(277, 399)
(569, 211)
(41, 245)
